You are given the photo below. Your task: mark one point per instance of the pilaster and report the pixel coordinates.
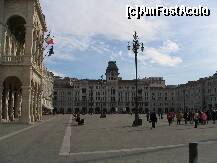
(11, 105)
(2, 5)
(32, 105)
(28, 43)
(40, 105)
(35, 109)
(1, 91)
(26, 101)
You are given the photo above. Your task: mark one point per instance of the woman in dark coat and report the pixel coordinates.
(153, 119)
(213, 115)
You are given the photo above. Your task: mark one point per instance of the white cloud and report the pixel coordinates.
(118, 56)
(57, 73)
(155, 56)
(170, 46)
(63, 56)
(97, 17)
(159, 56)
(78, 21)
(80, 43)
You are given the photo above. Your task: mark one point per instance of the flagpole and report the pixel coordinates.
(43, 48)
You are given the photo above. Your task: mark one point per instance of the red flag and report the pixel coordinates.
(49, 40)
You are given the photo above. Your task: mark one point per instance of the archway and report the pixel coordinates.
(69, 111)
(90, 110)
(77, 110)
(15, 36)
(11, 99)
(133, 110)
(127, 109)
(105, 110)
(97, 110)
(159, 110)
(166, 110)
(84, 110)
(112, 110)
(140, 110)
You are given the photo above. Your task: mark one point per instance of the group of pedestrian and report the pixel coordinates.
(78, 119)
(197, 117)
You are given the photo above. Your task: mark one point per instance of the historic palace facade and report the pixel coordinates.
(112, 94)
(116, 95)
(22, 27)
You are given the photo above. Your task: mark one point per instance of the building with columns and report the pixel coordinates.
(210, 91)
(112, 94)
(22, 27)
(47, 91)
(197, 95)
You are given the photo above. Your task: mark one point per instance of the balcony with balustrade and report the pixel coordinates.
(8, 59)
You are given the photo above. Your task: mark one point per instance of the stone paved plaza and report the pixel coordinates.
(112, 139)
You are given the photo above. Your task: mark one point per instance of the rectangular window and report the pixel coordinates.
(84, 90)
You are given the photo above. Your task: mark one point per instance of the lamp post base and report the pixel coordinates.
(103, 115)
(137, 121)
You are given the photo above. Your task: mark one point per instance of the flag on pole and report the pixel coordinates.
(50, 51)
(49, 40)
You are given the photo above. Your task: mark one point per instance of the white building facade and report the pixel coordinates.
(112, 94)
(116, 95)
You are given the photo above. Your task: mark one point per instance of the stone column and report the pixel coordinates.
(40, 105)
(26, 101)
(32, 105)
(11, 105)
(1, 91)
(35, 110)
(17, 100)
(20, 104)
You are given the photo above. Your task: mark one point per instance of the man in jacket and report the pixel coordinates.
(153, 119)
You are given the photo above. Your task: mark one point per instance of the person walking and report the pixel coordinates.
(179, 118)
(186, 117)
(191, 117)
(153, 119)
(173, 115)
(147, 116)
(209, 117)
(213, 115)
(161, 115)
(169, 118)
(196, 119)
(203, 118)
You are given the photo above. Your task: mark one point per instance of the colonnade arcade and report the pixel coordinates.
(12, 101)
(36, 103)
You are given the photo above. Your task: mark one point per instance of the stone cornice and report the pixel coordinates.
(41, 15)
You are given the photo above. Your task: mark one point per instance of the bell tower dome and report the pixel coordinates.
(112, 71)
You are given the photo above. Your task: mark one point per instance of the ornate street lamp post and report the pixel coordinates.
(103, 115)
(135, 47)
(184, 99)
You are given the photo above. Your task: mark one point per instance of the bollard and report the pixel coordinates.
(193, 153)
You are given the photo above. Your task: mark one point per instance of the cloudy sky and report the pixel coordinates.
(89, 33)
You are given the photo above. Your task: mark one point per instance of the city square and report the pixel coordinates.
(108, 82)
(110, 139)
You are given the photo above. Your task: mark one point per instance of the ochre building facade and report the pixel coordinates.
(22, 27)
